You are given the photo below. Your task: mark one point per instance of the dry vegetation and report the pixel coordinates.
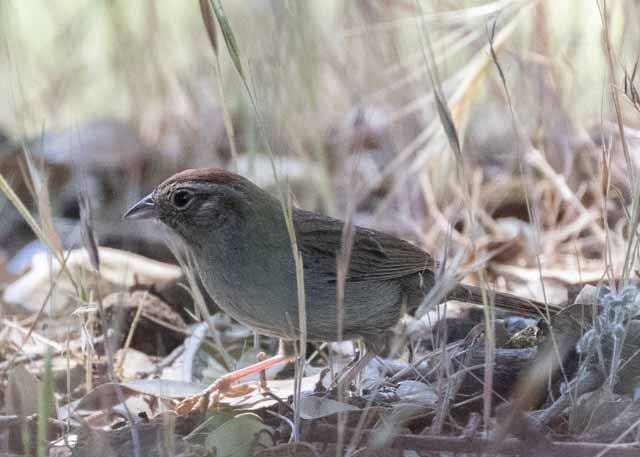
(502, 136)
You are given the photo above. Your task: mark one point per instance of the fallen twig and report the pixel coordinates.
(328, 434)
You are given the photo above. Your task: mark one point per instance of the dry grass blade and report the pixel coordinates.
(604, 16)
(6, 189)
(460, 129)
(460, 16)
(45, 406)
(539, 162)
(522, 164)
(442, 106)
(464, 86)
(285, 200)
(535, 380)
(447, 121)
(444, 113)
(227, 34)
(630, 89)
(39, 179)
(206, 10)
(29, 332)
(635, 185)
(87, 232)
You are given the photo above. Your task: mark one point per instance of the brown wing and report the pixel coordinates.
(375, 255)
(382, 257)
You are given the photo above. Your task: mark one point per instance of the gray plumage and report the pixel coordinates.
(239, 240)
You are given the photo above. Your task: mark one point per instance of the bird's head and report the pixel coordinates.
(202, 205)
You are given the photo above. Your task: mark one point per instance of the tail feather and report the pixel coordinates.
(502, 300)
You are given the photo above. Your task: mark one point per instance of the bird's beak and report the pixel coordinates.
(144, 209)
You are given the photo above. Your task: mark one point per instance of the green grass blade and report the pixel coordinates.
(227, 34)
(6, 189)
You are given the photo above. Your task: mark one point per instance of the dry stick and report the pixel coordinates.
(442, 389)
(302, 314)
(614, 92)
(524, 170)
(448, 125)
(359, 428)
(135, 436)
(68, 380)
(411, 368)
(629, 429)
(167, 325)
(448, 394)
(535, 159)
(31, 334)
(605, 188)
(17, 359)
(327, 434)
(635, 212)
(440, 219)
(573, 228)
(470, 371)
(41, 310)
(91, 246)
(342, 266)
(481, 213)
(17, 203)
(632, 246)
(490, 350)
(132, 330)
(165, 362)
(524, 388)
(15, 421)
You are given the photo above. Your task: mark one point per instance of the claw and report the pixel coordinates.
(209, 399)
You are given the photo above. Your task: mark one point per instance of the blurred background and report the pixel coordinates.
(102, 100)
(106, 99)
(111, 97)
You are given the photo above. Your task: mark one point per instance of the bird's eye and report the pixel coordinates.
(182, 198)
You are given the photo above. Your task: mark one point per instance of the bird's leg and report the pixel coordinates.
(223, 386)
(263, 374)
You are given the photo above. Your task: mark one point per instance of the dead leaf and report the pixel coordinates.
(132, 362)
(289, 450)
(106, 395)
(118, 270)
(417, 393)
(21, 398)
(237, 437)
(316, 407)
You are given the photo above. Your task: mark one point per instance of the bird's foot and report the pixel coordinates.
(209, 399)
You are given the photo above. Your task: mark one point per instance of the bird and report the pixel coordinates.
(241, 245)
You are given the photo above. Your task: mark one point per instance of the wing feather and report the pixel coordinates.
(379, 256)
